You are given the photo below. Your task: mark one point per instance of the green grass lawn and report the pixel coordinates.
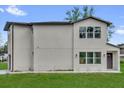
(76, 80)
(3, 65)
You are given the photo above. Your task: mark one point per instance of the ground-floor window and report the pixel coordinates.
(90, 58)
(82, 57)
(97, 57)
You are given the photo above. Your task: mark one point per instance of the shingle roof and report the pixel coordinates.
(112, 45)
(8, 24)
(120, 44)
(96, 18)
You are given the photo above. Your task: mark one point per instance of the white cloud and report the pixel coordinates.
(14, 10)
(1, 10)
(120, 31)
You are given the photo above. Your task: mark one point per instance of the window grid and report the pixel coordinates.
(94, 32)
(94, 57)
(97, 57)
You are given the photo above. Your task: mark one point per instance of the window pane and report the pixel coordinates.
(90, 32)
(82, 35)
(82, 57)
(97, 54)
(97, 61)
(89, 54)
(89, 57)
(97, 32)
(97, 57)
(89, 60)
(82, 60)
(82, 32)
(97, 29)
(89, 35)
(97, 35)
(90, 29)
(82, 54)
(82, 29)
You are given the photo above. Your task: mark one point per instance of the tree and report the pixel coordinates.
(110, 32)
(87, 11)
(73, 15)
(4, 48)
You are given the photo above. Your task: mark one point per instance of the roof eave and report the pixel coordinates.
(107, 22)
(113, 45)
(8, 24)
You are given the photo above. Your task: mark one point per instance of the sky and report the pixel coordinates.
(39, 13)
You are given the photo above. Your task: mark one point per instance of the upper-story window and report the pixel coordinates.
(82, 32)
(90, 32)
(97, 32)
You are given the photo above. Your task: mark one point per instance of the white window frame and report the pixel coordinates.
(83, 32)
(97, 32)
(86, 63)
(86, 33)
(90, 32)
(97, 57)
(90, 57)
(85, 57)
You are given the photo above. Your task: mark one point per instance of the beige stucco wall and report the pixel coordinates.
(52, 47)
(116, 56)
(55, 47)
(10, 48)
(23, 47)
(91, 45)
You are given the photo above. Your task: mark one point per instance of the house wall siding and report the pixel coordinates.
(57, 47)
(23, 47)
(91, 45)
(52, 47)
(10, 49)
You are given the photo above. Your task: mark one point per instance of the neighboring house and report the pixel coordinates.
(47, 46)
(3, 57)
(121, 46)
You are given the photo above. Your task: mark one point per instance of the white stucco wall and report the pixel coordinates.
(52, 47)
(23, 47)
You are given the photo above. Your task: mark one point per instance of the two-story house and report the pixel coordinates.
(48, 46)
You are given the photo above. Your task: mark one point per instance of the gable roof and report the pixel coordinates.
(8, 24)
(121, 45)
(112, 45)
(96, 18)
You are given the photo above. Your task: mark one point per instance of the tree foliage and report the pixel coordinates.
(76, 14)
(4, 48)
(111, 31)
(87, 11)
(73, 15)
